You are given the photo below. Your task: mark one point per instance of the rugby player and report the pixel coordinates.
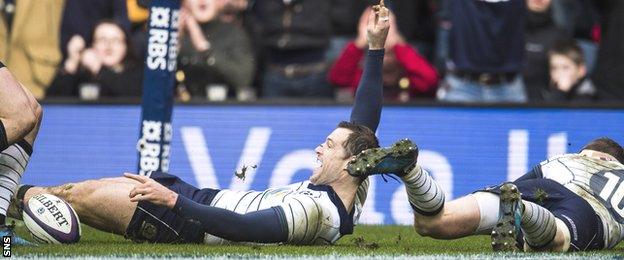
(164, 209)
(20, 117)
(572, 202)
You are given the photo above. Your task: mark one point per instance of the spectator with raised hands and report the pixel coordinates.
(233, 10)
(406, 74)
(106, 68)
(214, 56)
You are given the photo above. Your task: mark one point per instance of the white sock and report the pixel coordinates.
(538, 225)
(13, 161)
(424, 194)
(489, 209)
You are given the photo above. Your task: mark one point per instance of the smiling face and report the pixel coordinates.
(109, 42)
(203, 10)
(332, 157)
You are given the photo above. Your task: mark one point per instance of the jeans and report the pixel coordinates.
(455, 89)
(315, 85)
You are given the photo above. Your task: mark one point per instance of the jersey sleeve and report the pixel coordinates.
(307, 221)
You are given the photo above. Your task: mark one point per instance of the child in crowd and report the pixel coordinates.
(568, 74)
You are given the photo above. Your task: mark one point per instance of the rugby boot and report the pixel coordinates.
(7, 230)
(508, 226)
(396, 159)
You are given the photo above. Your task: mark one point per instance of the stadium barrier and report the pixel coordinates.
(465, 148)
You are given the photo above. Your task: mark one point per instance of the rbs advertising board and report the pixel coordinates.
(464, 148)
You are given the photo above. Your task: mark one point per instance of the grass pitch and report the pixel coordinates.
(367, 241)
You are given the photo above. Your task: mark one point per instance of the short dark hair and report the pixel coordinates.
(569, 49)
(130, 53)
(361, 138)
(608, 146)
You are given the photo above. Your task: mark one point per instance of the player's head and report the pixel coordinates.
(605, 145)
(346, 141)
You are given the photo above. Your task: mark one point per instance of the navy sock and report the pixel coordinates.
(26, 146)
(21, 191)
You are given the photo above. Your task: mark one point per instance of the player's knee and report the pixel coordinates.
(424, 226)
(26, 119)
(37, 110)
(74, 193)
(64, 191)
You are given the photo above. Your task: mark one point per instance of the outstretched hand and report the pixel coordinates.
(378, 26)
(150, 190)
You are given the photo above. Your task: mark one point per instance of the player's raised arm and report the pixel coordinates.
(369, 94)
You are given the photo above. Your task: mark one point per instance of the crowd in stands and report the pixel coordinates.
(447, 50)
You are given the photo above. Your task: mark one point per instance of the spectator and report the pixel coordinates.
(81, 16)
(294, 35)
(138, 15)
(579, 18)
(233, 11)
(406, 74)
(540, 34)
(106, 69)
(345, 15)
(486, 52)
(609, 73)
(29, 41)
(416, 21)
(213, 54)
(569, 74)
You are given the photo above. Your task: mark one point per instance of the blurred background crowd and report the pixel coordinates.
(447, 50)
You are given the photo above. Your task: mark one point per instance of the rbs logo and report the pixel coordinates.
(163, 39)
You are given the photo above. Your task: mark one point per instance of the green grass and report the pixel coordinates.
(366, 241)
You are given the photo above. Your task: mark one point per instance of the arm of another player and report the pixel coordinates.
(263, 226)
(369, 94)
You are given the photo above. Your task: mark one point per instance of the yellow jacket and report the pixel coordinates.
(31, 50)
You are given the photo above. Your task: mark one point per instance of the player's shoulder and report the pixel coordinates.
(561, 158)
(575, 158)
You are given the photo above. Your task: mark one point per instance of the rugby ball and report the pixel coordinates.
(51, 220)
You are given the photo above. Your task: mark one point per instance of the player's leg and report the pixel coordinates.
(576, 226)
(456, 219)
(103, 204)
(537, 224)
(20, 116)
(17, 116)
(433, 217)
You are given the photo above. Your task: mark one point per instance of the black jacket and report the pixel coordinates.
(540, 34)
(609, 71)
(125, 83)
(302, 24)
